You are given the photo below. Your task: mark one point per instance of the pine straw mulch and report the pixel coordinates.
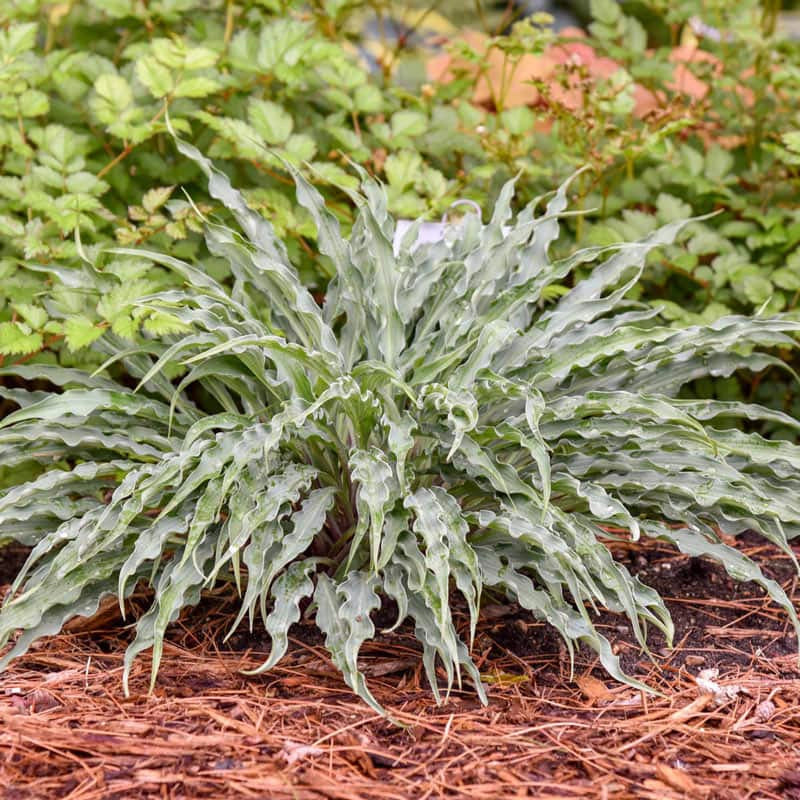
(67, 732)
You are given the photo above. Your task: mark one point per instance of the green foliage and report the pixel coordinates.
(734, 157)
(711, 128)
(435, 425)
(83, 144)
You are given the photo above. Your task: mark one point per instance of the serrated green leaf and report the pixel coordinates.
(34, 316)
(200, 58)
(409, 123)
(271, 120)
(18, 339)
(195, 87)
(403, 168)
(155, 198)
(155, 76)
(81, 332)
(113, 95)
(18, 39)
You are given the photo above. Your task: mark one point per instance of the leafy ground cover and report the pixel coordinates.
(297, 733)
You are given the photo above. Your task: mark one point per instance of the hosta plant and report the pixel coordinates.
(446, 427)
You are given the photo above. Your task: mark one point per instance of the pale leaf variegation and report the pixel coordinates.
(461, 418)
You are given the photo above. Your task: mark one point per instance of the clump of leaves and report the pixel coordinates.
(434, 426)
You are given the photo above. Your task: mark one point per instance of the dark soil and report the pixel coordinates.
(12, 557)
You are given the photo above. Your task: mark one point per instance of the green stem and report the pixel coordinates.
(229, 23)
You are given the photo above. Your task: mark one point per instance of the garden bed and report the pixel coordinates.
(208, 732)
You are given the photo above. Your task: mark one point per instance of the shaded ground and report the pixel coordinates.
(66, 730)
(12, 557)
